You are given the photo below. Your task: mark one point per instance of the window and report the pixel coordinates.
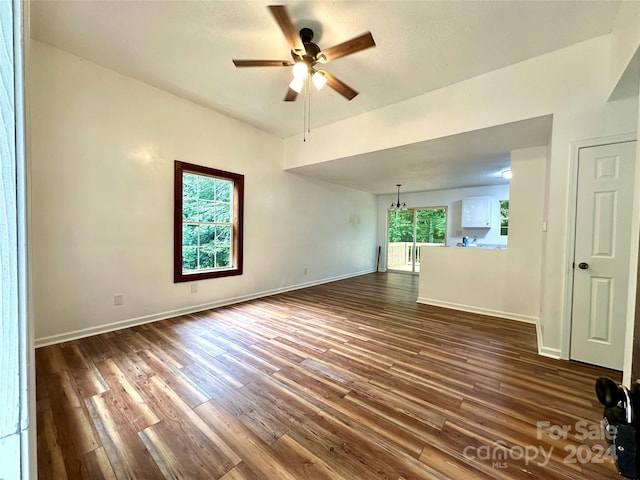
(207, 223)
(504, 217)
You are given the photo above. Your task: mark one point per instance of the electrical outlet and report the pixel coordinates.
(194, 288)
(305, 270)
(118, 300)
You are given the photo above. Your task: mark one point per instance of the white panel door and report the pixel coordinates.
(601, 257)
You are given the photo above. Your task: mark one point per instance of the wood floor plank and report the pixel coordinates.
(253, 452)
(128, 455)
(243, 472)
(284, 400)
(96, 465)
(50, 456)
(180, 456)
(348, 380)
(51, 360)
(451, 466)
(124, 392)
(304, 464)
(363, 455)
(174, 411)
(74, 428)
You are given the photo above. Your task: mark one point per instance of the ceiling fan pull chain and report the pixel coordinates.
(304, 112)
(308, 105)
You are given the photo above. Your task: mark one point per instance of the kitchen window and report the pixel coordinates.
(504, 218)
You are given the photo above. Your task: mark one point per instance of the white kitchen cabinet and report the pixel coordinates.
(476, 212)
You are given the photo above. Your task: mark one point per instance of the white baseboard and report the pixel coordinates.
(549, 352)
(479, 310)
(539, 337)
(119, 325)
(546, 351)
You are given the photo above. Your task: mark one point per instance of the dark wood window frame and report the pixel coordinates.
(237, 220)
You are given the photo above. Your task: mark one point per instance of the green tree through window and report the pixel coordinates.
(431, 225)
(504, 217)
(206, 222)
(401, 226)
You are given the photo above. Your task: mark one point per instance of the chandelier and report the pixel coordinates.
(397, 206)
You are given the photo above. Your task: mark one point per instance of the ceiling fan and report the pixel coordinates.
(307, 55)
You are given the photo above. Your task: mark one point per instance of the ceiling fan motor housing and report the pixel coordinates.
(311, 49)
(306, 35)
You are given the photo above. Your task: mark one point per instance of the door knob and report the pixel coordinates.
(583, 266)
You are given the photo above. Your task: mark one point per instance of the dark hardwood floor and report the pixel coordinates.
(348, 380)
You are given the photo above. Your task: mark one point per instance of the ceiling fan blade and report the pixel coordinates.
(281, 15)
(354, 45)
(262, 63)
(339, 86)
(291, 95)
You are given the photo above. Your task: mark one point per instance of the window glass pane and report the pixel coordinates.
(223, 212)
(207, 233)
(222, 257)
(206, 211)
(189, 185)
(207, 256)
(189, 258)
(432, 226)
(206, 189)
(189, 235)
(401, 226)
(189, 209)
(223, 235)
(223, 190)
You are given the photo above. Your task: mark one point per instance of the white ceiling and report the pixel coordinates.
(186, 47)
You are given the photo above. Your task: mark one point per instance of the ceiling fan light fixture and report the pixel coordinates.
(319, 80)
(300, 70)
(296, 84)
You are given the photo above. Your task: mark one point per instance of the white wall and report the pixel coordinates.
(503, 283)
(452, 199)
(103, 151)
(526, 215)
(468, 279)
(573, 84)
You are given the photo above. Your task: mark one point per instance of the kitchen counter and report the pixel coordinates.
(481, 245)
